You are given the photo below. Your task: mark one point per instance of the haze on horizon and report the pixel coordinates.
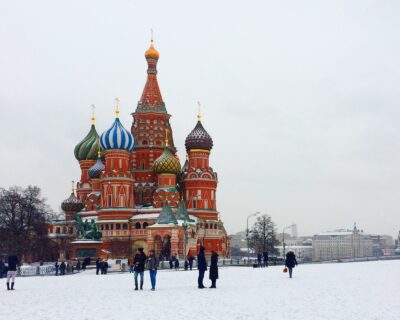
(301, 98)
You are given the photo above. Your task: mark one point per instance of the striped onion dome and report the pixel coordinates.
(87, 148)
(72, 204)
(198, 139)
(166, 163)
(117, 137)
(95, 170)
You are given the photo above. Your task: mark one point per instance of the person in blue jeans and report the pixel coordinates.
(139, 261)
(152, 266)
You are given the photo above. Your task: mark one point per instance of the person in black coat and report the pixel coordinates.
(214, 269)
(190, 259)
(57, 266)
(12, 271)
(140, 262)
(259, 258)
(2, 267)
(98, 265)
(202, 266)
(63, 266)
(104, 267)
(290, 262)
(265, 256)
(78, 266)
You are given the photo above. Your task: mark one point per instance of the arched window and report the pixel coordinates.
(112, 226)
(145, 225)
(118, 226)
(194, 203)
(148, 193)
(107, 226)
(102, 227)
(125, 226)
(215, 226)
(138, 225)
(206, 226)
(144, 142)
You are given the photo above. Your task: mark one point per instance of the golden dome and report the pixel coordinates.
(152, 53)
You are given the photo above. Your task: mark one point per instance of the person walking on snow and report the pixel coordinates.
(139, 261)
(265, 256)
(190, 259)
(98, 265)
(57, 267)
(78, 266)
(259, 260)
(290, 262)
(62, 268)
(202, 266)
(152, 265)
(12, 271)
(214, 269)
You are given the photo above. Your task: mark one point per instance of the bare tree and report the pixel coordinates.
(24, 218)
(262, 236)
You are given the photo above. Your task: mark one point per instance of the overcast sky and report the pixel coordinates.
(301, 98)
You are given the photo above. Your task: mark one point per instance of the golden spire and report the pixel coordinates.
(198, 112)
(73, 187)
(99, 152)
(187, 157)
(117, 107)
(152, 52)
(166, 138)
(93, 118)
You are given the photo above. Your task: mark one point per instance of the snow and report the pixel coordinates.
(363, 290)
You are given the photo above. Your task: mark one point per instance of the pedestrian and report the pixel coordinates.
(12, 271)
(259, 260)
(152, 266)
(78, 266)
(290, 262)
(57, 266)
(130, 264)
(98, 265)
(2, 267)
(139, 261)
(265, 256)
(105, 266)
(84, 265)
(190, 259)
(201, 266)
(214, 269)
(176, 263)
(171, 263)
(63, 266)
(186, 265)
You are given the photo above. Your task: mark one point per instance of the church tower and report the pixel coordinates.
(116, 182)
(149, 129)
(198, 178)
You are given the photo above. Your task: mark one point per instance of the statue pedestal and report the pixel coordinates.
(86, 248)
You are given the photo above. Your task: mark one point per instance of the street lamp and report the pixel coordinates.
(247, 234)
(283, 239)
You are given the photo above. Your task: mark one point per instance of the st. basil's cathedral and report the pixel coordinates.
(134, 192)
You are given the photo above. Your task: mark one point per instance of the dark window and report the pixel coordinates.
(111, 226)
(107, 227)
(118, 226)
(102, 227)
(125, 226)
(145, 225)
(138, 226)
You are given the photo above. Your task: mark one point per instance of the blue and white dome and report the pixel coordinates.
(117, 137)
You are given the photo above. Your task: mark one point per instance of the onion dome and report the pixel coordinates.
(152, 53)
(95, 170)
(166, 216)
(87, 148)
(167, 163)
(72, 204)
(198, 138)
(117, 137)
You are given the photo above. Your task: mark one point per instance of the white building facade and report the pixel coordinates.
(342, 244)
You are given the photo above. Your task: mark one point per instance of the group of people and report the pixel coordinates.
(101, 266)
(262, 259)
(140, 262)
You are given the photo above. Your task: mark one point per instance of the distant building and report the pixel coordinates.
(342, 244)
(304, 253)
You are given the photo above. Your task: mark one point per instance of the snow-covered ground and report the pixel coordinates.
(365, 290)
